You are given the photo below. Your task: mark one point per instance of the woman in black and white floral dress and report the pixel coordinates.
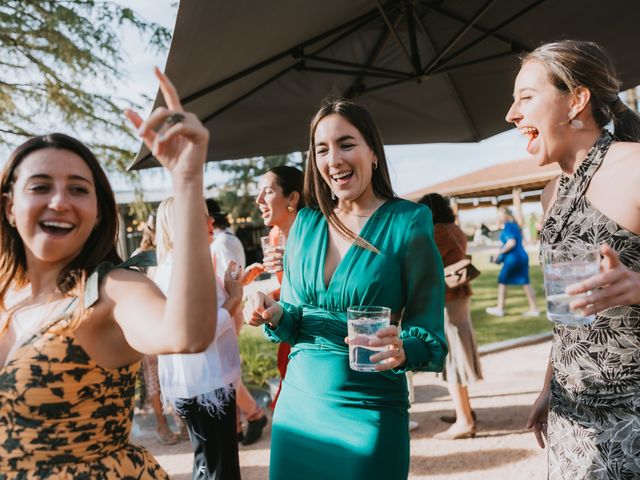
(565, 94)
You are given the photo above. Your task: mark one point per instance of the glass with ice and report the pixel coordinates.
(562, 266)
(362, 325)
(273, 250)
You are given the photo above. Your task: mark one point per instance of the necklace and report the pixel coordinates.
(354, 214)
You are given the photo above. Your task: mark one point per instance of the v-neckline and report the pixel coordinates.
(325, 246)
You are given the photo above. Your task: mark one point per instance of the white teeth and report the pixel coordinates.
(57, 224)
(528, 131)
(340, 175)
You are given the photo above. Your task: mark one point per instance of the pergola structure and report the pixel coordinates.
(508, 183)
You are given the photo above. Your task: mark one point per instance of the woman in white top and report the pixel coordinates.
(201, 386)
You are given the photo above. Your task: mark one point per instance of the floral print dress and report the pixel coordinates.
(64, 417)
(594, 411)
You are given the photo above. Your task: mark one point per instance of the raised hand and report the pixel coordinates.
(175, 137)
(614, 285)
(233, 280)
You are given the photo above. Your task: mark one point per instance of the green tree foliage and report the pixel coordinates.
(237, 194)
(59, 63)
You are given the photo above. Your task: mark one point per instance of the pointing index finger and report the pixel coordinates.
(169, 92)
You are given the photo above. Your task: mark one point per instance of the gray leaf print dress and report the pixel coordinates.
(594, 411)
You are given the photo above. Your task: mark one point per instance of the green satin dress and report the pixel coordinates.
(332, 422)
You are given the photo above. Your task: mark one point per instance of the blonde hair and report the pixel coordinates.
(164, 230)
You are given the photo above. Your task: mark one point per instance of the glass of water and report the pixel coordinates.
(273, 251)
(564, 265)
(362, 324)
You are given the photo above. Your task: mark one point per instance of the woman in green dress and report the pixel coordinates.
(356, 244)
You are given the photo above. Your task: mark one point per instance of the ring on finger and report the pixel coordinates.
(234, 275)
(174, 118)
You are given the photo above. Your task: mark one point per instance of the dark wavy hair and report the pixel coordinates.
(99, 247)
(440, 208)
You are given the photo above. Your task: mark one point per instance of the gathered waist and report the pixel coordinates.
(322, 329)
(324, 373)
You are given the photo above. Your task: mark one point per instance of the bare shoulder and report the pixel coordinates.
(622, 164)
(122, 283)
(623, 150)
(548, 196)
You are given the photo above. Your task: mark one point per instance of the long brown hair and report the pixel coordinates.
(317, 193)
(576, 63)
(99, 247)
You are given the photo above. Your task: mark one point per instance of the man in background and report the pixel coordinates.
(226, 247)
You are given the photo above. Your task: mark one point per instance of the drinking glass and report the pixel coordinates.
(563, 265)
(362, 325)
(273, 252)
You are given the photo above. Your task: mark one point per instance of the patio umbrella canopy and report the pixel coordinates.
(255, 72)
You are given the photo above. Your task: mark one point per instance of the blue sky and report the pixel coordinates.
(412, 166)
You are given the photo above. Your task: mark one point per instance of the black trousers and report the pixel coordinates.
(214, 441)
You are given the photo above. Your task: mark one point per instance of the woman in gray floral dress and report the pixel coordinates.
(565, 94)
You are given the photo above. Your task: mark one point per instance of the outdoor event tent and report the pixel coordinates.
(428, 70)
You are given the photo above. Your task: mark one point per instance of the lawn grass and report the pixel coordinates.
(485, 290)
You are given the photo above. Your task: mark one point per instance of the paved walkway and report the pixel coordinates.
(502, 449)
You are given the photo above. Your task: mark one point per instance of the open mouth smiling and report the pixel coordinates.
(531, 133)
(342, 177)
(56, 228)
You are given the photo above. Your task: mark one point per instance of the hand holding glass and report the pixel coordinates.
(362, 324)
(273, 250)
(563, 266)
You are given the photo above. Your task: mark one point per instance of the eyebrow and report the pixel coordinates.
(520, 90)
(340, 139)
(70, 177)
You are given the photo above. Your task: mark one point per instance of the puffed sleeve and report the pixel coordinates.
(422, 325)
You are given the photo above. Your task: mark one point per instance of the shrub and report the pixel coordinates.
(258, 359)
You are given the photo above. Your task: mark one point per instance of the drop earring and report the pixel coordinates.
(333, 195)
(375, 165)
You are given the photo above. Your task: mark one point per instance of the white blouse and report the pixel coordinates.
(208, 377)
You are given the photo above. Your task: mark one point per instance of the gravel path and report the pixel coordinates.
(502, 449)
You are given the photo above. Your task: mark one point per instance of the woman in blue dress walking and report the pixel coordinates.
(515, 265)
